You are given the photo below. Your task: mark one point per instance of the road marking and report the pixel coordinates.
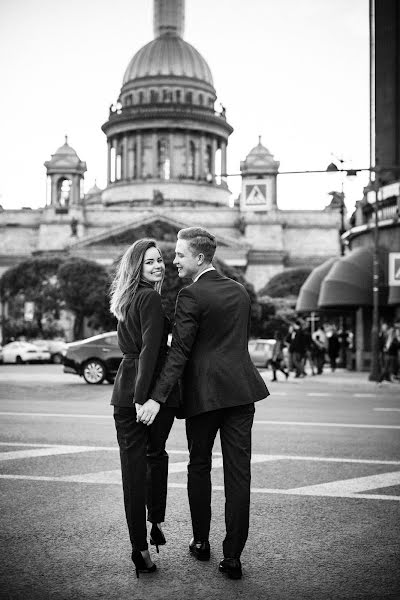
(62, 415)
(387, 409)
(279, 393)
(351, 486)
(319, 394)
(315, 424)
(257, 422)
(365, 395)
(256, 457)
(331, 489)
(36, 452)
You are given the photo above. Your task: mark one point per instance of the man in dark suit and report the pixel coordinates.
(209, 353)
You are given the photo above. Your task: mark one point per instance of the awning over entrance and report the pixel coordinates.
(308, 297)
(394, 295)
(349, 282)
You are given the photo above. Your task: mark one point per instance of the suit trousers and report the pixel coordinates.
(144, 467)
(234, 424)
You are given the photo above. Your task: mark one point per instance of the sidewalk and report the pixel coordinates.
(339, 378)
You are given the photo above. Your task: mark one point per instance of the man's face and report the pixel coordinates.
(186, 263)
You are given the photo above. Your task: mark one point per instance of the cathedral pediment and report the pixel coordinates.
(161, 228)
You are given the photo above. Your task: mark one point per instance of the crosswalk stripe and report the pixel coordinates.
(256, 422)
(114, 477)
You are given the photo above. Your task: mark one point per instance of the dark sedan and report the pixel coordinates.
(95, 359)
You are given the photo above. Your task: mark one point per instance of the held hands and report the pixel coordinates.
(147, 412)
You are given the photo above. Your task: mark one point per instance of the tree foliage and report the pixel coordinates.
(32, 280)
(52, 283)
(287, 283)
(84, 286)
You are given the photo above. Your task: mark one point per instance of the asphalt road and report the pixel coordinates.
(325, 496)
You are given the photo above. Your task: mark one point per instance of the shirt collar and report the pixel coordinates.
(211, 268)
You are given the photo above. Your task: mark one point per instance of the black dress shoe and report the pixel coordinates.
(231, 567)
(201, 550)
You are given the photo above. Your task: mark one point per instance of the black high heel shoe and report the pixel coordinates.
(140, 563)
(157, 538)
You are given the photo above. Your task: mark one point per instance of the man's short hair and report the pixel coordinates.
(200, 241)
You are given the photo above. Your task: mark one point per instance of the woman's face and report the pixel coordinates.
(153, 266)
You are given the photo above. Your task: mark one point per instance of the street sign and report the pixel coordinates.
(394, 268)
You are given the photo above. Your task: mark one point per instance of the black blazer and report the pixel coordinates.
(210, 348)
(142, 338)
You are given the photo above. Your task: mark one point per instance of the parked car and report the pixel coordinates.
(55, 347)
(24, 352)
(261, 351)
(95, 359)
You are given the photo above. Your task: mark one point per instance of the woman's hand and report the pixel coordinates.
(147, 412)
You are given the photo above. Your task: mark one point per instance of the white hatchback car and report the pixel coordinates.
(261, 351)
(24, 352)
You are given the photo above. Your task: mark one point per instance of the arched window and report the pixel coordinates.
(189, 97)
(141, 98)
(128, 100)
(153, 97)
(64, 193)
(192, 160)
(210, 102)
(178, 95)
(164, 163)
(166, 96)
(201, 100)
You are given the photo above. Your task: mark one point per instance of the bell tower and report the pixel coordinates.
(65, 171)
(259, 173)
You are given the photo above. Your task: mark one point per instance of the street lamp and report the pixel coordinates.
(374, 372)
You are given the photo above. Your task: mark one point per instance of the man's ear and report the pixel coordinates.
(200, 259)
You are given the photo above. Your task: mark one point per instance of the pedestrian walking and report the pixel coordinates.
(391, 346)
(220, 386)
(298, 347)
(333, 348)
(143, 329)
(277, 360)
(320, 347)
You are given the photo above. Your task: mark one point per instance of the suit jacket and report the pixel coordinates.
(142, 338)
(210, 348)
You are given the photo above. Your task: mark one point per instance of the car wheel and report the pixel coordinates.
(57, 359)
(19, 360)
(94, 372)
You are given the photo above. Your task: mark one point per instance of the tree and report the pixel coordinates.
(84, 285)
(32, 280)
(287, 283)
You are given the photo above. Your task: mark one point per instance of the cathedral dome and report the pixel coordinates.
(168, 55)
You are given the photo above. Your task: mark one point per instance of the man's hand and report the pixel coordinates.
(147, 412)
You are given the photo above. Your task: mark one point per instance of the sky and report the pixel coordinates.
(293, 71)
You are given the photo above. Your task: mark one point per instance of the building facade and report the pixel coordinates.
(167, 161)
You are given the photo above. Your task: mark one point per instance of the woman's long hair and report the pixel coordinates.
(127, 278)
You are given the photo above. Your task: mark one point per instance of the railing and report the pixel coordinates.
(163, 109)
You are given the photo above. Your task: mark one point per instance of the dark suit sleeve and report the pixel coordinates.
(152, 325)
(183, 336)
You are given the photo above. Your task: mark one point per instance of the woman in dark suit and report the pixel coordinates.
(142, 337)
